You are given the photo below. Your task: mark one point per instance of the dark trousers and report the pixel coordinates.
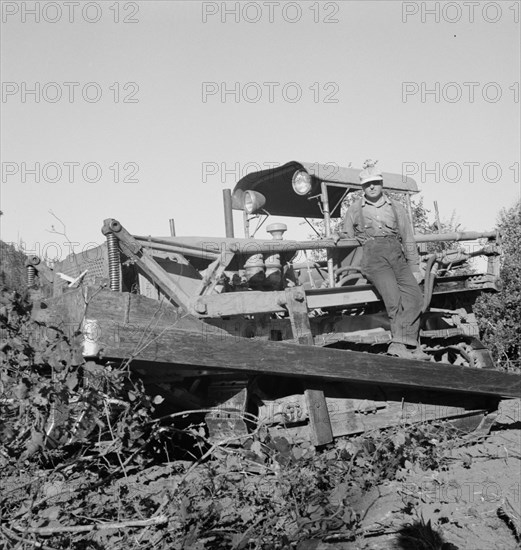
(385, 266)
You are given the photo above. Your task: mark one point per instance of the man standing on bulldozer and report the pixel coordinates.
(390, 259)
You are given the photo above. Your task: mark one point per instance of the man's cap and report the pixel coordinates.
(371, 172)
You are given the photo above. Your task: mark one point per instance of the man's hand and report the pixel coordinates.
(336, 237)
(419, 275)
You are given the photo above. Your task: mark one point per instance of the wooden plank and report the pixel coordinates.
(206, 349)
(241, 303)
(375, 407)
(348, 416)
(344, 413)
(392, 416)
(184, 340)
(319, 423)
(134, 312)
(121, 307)
(299, 316)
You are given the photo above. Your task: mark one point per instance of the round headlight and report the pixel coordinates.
(301, 182)
(253, 201)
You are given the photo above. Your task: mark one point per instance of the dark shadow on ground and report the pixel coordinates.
(421, 536)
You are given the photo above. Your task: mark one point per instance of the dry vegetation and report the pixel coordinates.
(84, 464)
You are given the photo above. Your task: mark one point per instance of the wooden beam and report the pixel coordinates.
(299, 316)
(319, 423)
(121, 309)
(213, 351)
(465, 419)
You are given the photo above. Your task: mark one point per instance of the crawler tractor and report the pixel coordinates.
(287, 332)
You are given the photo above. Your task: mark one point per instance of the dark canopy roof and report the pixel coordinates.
(281, 199)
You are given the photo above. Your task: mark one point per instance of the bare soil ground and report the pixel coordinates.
(473, 504)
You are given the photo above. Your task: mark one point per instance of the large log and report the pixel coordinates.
(136, 326)
(203, 348)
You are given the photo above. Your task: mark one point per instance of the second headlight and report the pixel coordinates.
(253, 201)
(301, 182)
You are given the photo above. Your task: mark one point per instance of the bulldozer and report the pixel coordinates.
(284, 333)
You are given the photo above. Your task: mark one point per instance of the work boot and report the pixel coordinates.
(399, 350)
(419, 354)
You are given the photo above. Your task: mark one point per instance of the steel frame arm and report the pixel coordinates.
(133, 250)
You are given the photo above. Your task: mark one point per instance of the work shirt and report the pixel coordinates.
(366, 220)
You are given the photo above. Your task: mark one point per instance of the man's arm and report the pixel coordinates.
(348, 228)
(410, 248)
(347, 231)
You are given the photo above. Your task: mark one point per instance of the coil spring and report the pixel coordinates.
(31, 274)
(114, 262)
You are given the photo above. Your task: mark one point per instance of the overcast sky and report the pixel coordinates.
(145, 111)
